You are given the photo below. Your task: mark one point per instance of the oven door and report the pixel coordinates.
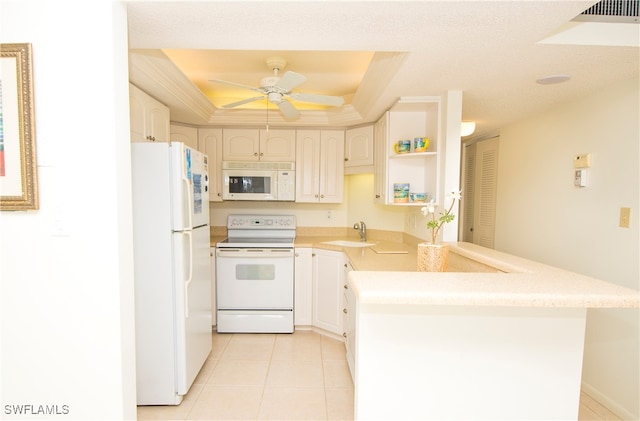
(254, 278)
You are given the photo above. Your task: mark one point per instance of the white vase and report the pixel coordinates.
(433, 257)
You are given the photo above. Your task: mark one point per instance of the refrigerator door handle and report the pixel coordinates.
(187, 186)
(189, 235)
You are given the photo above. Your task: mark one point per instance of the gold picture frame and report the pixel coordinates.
(18, 170)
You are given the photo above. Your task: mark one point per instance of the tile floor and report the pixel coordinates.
(296, 376)
(299, 376)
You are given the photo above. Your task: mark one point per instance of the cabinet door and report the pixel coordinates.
(157, 120)
(380, 160)
(278, 145)
(214, 306)
(307, 165)
(187, 135)
(149, 118)
(240, 145)
(331, 173)
(211, 143)
(136, 115)
(303, 287)
(358, 150)
(327, 290)
(349, 321)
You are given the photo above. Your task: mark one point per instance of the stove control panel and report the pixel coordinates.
(261, 222)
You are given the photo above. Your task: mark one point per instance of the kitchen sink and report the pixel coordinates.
(345, 243)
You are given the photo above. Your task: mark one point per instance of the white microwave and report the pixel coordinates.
(274, 181)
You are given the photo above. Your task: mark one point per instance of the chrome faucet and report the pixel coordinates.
(362, 230)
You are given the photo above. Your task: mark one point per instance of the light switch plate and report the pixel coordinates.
(625, 217)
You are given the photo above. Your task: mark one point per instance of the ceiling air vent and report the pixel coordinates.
(618, 11)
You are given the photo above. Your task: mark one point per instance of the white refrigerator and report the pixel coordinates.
(170, 186)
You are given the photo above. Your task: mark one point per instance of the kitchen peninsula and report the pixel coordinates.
(503, 344)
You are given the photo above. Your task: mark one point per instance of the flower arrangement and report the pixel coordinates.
(434, 224)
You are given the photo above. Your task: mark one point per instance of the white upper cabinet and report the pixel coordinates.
(149, 118)
(210, 140)
(278, 145)
(319, 166)
(187, 135)
(359, 150)
(275, 145)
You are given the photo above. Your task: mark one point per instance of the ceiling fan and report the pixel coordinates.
(278, 90)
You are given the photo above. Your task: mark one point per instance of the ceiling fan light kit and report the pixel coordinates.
(277, 89)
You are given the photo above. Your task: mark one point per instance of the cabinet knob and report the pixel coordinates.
(219, 194)
(344, 310)
(345, 286)
(344, 334)
(255, 154)
(346, 159)
(377, 196)
(261, 154)
(322, 196)
(316, 196)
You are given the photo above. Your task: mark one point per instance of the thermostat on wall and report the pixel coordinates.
(582, 161)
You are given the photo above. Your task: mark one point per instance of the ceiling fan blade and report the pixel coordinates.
(290, 80)
(240, 85)
(244, 101)
(288, 110)
(335, 101)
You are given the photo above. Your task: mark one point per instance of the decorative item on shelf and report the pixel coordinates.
(418, 197)
(401, 192)
(402, 146)
(420, 144)
(434, 257)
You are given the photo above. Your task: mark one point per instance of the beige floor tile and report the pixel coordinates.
(336, 373)
(301, 345)
(171, 412)
(593, 406)
(206, 370)
(291, 403)
(332, 349)
(239, 373)
(295, 374)
(339, 403)
(227, 403)
(586, 414)
(257, 347)
(220, 342)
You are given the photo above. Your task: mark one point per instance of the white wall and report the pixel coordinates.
(67, 311)
(541, 216)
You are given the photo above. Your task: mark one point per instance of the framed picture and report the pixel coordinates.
(18, 171)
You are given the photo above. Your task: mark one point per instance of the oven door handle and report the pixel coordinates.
(259, 253)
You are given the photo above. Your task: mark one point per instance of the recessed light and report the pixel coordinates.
(553, 79)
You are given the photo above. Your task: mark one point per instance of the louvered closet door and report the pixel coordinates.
(485, 187)
(469, 177)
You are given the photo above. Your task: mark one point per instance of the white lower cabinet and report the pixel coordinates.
(328, 282)
(303, 304)
(349, 320)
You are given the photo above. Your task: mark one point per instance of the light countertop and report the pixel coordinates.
(477, 276)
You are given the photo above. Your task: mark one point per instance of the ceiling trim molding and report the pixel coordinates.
(381, 71)
(151, 69)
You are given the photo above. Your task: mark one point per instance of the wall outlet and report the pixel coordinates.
(625, 217)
